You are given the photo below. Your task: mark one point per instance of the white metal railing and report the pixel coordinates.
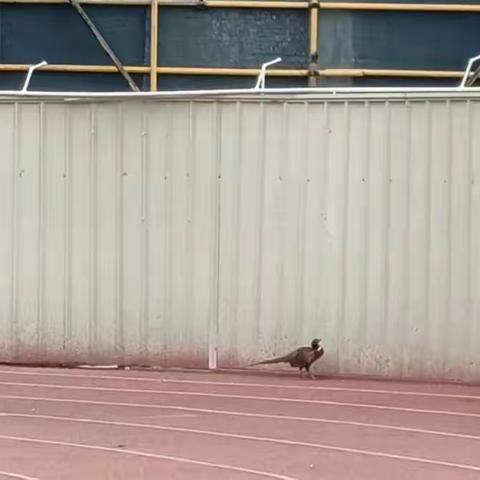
(258, 89)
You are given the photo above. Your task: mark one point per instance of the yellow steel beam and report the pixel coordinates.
(241, 72)
(251, 4)
(392, 6)
(329, 72)
(13, 67)
(285, 72)
(386, 72)
(408, 7)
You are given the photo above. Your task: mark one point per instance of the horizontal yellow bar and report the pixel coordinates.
(329, 72)
(408, 7)
(377, 72)
(254, 4)
(180, 3)
(73, 68)
(242, 72)
(93, 2)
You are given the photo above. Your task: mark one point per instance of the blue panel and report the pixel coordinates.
(335, 40)
(404, 82)
(56, 33)
(387, 82)
(409, 40)
(330, 82)
(207, 82)
(70, 82)
(415, 40)
(225, 37)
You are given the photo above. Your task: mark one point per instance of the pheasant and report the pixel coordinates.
(302, 357)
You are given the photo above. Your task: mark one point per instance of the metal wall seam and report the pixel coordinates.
(42, 186)
(14, 231)
(144, 224)
(92, 189)
(260, 187)
(67, 199)
(214, 320)
(119, 242)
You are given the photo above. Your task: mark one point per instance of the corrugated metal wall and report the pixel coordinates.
(109, 227)
(140, 231)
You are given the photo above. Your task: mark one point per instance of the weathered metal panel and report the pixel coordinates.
(109, 221)
(159, 232)
(7, 215)
(353, 221)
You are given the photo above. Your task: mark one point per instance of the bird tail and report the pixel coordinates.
(272, 360)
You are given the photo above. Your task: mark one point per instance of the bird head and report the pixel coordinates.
(316, 343)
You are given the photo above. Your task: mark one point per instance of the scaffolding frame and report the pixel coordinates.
(314, 7)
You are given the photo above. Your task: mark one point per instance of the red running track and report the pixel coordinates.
(98, 424)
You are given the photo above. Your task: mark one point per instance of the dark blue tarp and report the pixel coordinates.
(186, 82)
(406, 40)
(232, 37)
(73, 82)
(56, 33)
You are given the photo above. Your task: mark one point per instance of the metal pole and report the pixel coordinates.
(465, 80)
(31, 69)
(260, 85)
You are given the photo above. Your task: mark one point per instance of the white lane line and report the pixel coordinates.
(246, 397)
(247, 414)
(326, 389)
(124, 451)
(321, 446)
(167, 417)
(16, 475)
(243, 384)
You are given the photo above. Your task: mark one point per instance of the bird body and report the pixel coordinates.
(301, 358)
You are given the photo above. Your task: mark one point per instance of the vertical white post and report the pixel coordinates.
(31, 69)
(260, 85)
(467, 70)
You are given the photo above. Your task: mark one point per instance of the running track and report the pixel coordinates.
(100, 424)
